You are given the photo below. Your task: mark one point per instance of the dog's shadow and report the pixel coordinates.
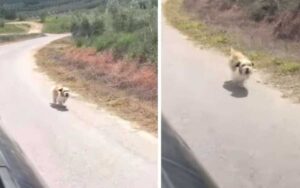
(58, 107)
(235, 89)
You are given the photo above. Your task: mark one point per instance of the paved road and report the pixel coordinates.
(245, 138)
(83, 147)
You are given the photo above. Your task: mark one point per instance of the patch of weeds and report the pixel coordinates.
(288, 68)
(277, 61)
(196, 30)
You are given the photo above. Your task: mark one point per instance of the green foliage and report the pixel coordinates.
(2, 23)
(289, 68)
(37, 7)
(43, 17)
(86, 28)
(263, 8)
(57, 24)
(7, 14)
(97, 27)
(106, 41)
(123, 43)
(21, 17)
(128, 28)
(10, 28)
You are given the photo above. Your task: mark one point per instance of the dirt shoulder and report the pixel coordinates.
(34, 27)
(218, 28)
(124, 87)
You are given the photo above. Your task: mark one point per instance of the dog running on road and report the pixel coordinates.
(60, 95)
(241, 67)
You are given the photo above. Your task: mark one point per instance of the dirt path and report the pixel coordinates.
(82, 147)
(246, 138)
(35, 27)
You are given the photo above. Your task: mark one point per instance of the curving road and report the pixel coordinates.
(245, 138)
(83, 147)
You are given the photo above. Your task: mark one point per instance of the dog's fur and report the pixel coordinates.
(241, 67)
(60, 95)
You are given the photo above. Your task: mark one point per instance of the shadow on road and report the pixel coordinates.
(58, 107)
(236, 91)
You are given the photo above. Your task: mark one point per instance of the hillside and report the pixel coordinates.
(36, 7)
(277, 18)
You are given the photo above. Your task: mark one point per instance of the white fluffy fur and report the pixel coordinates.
(60, 95)
(241, 67)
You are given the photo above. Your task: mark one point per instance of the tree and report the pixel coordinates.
(2, 23)
(85, 28)
(43, 17)
(97, 27)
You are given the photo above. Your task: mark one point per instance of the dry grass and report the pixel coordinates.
(13, 28)
(127, 88)
(276, 58)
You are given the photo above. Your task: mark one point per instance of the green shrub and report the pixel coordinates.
(123, 43)
(2, 23)
(21, 17)
(289, 67)
(79, 42)
(57, 24)
(43, 17)
(104, 42)
(98, 27)
(128, 28)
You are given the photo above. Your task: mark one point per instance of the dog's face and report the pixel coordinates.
(242, 63)
(245, 67)
(64, 92)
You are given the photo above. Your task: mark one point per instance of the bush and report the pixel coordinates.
(128, 28)
(97, 27)
(123, 44)
(104, 42)
(43, 17)
(21, 17)
(57, 24)
(8, 14)
(2, 23)
(262, 8)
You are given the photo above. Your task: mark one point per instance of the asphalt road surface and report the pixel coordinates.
(245, 138)
(81, 147)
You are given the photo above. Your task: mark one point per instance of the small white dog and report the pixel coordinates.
(60, 95)
(241, 67)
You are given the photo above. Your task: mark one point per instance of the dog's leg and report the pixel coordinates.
(54, 97)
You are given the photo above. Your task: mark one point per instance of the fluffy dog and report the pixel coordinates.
(241, 67)
(60, 95)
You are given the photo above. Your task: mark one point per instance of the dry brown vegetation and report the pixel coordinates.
(275, 32)
(123, 86)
